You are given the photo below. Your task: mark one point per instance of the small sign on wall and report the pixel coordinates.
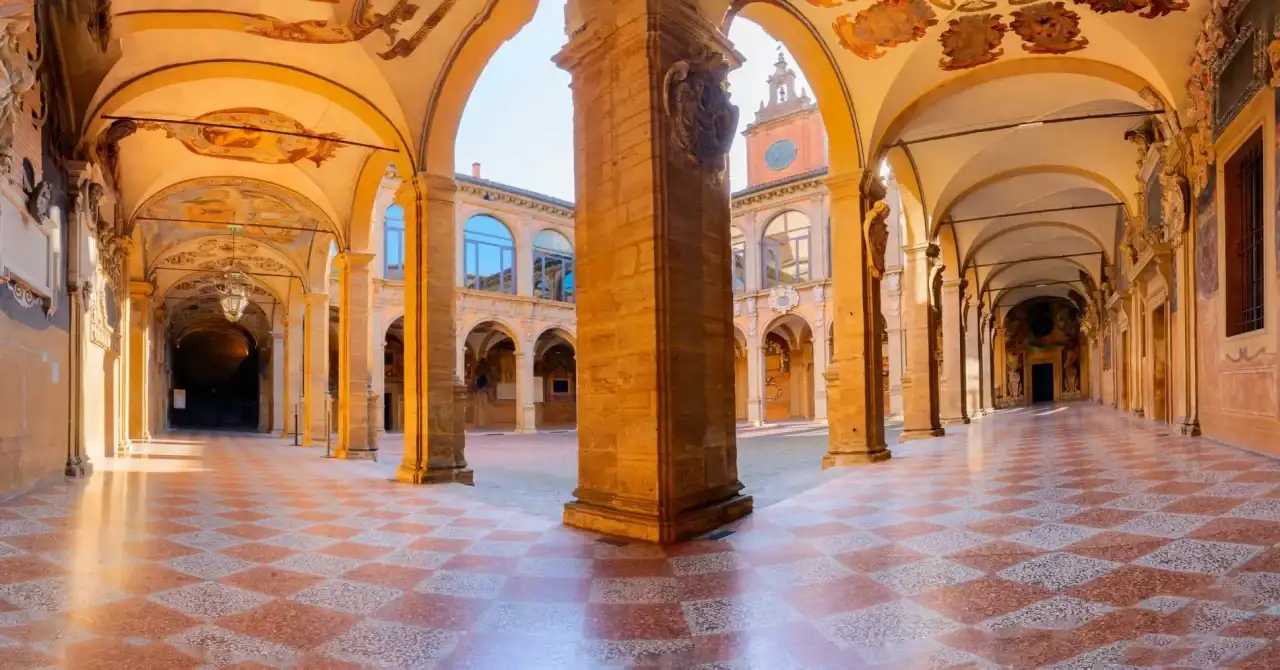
(179, 398)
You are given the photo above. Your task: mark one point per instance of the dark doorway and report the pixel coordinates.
(1042, 382)
(218, 370)
(387, 399)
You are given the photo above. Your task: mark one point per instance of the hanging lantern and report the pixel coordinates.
(233, 296)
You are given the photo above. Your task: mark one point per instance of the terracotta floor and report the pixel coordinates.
(1071, 536)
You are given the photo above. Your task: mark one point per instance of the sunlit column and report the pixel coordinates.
(354, 374)
(139, 360)
(434, 398)
(279, 378)
(315, 368)
(919, 392)
(987, 348)
(526, 413)
(820, 357)
(894, 334)
(972, 359)
(657, 456)
(755, 380)
(378, 376)
(855, 389)
(952, 383)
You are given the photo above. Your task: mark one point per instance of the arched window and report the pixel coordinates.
(393, 242)
(785, 249)
(489, 253)
(552, 266)
(738, 245)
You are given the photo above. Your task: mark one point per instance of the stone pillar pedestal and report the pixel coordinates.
(919, 388)
(953, 384)
(434, 399)
(657, 457)
(315, 369)
(855, 385)
(354, 348)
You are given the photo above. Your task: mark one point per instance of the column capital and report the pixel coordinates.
(354, 260)
(140, 289)
(597, 24)
(313, 299)
(431, 186)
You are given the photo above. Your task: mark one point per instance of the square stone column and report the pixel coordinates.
(139, 361)
(820, 357)
(315, 366)
(434, 398)
(526, 412)
(355, 379)
(657, 450)
(279, 375)
(972, 359)
(919, 375)
(293, 380)
(986, 401)
(855, 385)
(953, 371)
(755, 377)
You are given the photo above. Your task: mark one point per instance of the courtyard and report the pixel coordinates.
(1068, 537)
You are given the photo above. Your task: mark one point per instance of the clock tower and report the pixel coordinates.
(787, 138)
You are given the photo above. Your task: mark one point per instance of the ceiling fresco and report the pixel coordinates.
(250, 134)
(204, 313)
(976, 36)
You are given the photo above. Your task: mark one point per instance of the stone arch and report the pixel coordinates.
(944, 208)
(971, 256)
(565, 332)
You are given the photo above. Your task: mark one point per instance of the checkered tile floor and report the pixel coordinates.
(1078, 539)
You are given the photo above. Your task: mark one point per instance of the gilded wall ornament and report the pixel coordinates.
(250, 134)
(1274, 52)
(1174, 206)
(1202, 88)
(972, 40)
(884, 25)
(1048, 28)
(875, 233)
(703, 121)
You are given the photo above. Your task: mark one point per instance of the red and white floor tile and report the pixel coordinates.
(1075, 539)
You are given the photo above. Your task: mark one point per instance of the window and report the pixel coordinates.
(333, 253)
(786, 249)
(738, 245)
(489, 252)
(393, 242)
(1244, 217)
(552, 266)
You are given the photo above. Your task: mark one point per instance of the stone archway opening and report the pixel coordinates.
(217, 378)
(788, 370)
(392, 417)
(489, 372)
(555, 381)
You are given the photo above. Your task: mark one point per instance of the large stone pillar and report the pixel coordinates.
(315, 368)
(755, 378)
(657, 451)
(972, 358)
(293, 380)
(279, 385)
(893, 321)
(919, 392)
(355, 305)
(378, 376)
(855, 385)
(952, 382)
(139, 361)
(526, 413)
(987, 347)
(434, 398)
(820, 357)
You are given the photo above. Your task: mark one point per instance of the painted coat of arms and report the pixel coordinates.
(885, 25)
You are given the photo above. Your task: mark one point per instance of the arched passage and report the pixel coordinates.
(788, 369)
(219, 374)
(393, 377)
(489, 368)
(555, 380)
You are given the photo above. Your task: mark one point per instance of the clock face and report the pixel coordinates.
(780, 154)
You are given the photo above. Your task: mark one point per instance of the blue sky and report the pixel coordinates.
(519, 121)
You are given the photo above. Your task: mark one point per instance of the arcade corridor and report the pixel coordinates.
(1067, 533)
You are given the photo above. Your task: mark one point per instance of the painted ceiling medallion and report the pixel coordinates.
(237, 134)
(971, 41)
(1153, 8)
(1048, 28)
(884, 25)
(389, 18)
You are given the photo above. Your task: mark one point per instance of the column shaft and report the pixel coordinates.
(919, 388)
(972, 362)
(953, 371)
(434, 398)
(755, 381)
(315, 369)
(657, 451)
(526, 413)
(855, 389)
(354, 371)
(820, 357)
(139, 361)
(279, 378)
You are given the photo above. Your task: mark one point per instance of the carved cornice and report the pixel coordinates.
(494, 193)
(783, 190)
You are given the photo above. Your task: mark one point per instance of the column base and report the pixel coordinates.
(843, 460)
(525, 431)
(82, 468)
(620, 523)
(960, 421)
(920, 434)
(1137, 411)
(356, 454)
(1187, 428)
(411, 475)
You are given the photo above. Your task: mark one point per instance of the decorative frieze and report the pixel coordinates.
(493, 193)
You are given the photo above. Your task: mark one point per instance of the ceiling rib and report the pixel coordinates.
(1072, 208)
(230, 126)
(1030, 124)
(1037, 258)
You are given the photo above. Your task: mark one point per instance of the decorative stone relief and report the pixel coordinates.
(818, 294)
(875, 232)
(99, 23)
(1174, 205)
(783, 299)
(1202, 88)
(703, 121)
(751, 306)
(737, 308)
(1274, 52)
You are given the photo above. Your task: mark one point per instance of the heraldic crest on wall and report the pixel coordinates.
(703, 121)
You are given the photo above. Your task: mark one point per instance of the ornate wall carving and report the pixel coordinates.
(703, 121)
